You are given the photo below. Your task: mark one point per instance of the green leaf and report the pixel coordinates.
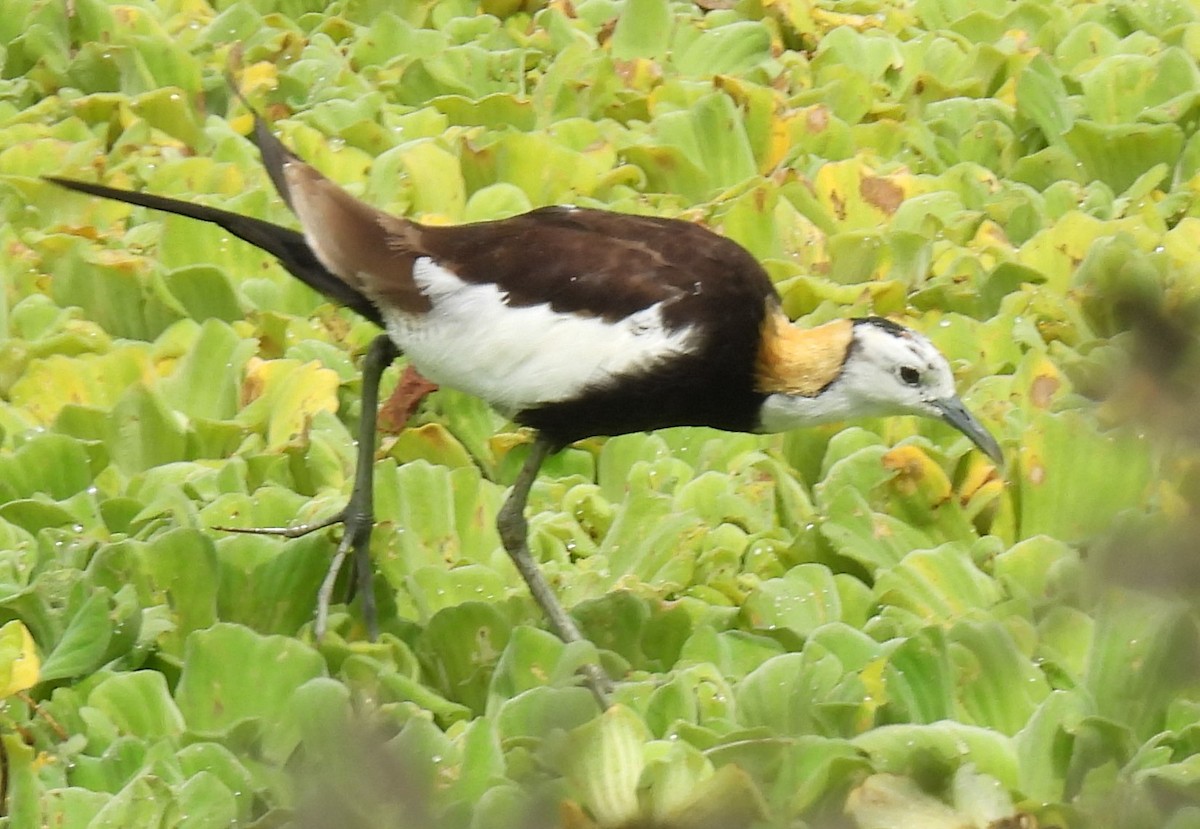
(811, 768)
(286, 396)
(496, 201)
(604, 763)
(539, 712)
(50, 464)
(802, 601)
(215, 759)
(85, 641)
(25, 791)
(460, 647)
(936, 584)
(205, 802)
(435, 176)
(447, 515)
(1118, 154)
(1042, 98)
(1031, 566)
(1000, 687)
(1122, 88)
(1139, 648)
(724, 50)
(270, 588)
(1043, 745)
(182, 564)
(711, 135)
(1072, 479)
(735, 653)
(482, 760)
(532, 658)
(643, 30)
(118, 291)
(145, 432)
(932, 751)
(204, 383)
(70, 807)
(821, 697)
(231, 674)
(919, 679)
(139, 704)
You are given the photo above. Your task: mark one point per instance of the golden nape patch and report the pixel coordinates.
(802, 361)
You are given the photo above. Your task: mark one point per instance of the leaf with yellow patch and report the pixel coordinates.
(1070, 479)
(258, 78)
(434, 174)
(1040, 381)
(980, 487)
(856, 197)
(916, 475)
(284, 395)
(770, 127)
(1059, 250)
(920, 493)
(87, 380)
(19, 662)
(431, 442)
(796, 14)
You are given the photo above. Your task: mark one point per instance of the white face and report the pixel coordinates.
(895, 371)
(889, 370)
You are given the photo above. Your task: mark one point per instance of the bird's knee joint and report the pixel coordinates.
(512, 529)
(359, 523)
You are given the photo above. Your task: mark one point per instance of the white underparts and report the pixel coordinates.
(517, 357)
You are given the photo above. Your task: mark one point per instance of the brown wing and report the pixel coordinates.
(364, 247)
(601, 264)
(591, 262)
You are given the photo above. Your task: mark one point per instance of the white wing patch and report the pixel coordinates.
(517, 357)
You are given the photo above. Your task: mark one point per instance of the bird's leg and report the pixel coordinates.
(358, 515)
(514, 535)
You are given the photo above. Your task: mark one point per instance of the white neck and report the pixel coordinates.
(784, 412)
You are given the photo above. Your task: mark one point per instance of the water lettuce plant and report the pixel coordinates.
(862, 625)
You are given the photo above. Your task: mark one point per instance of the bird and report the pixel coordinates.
(575, 322)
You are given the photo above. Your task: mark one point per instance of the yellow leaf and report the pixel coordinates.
(19, 662)
(797, 13)
(873, 676)
(981, 481)
(259, 77)
(1181, 242)
(98, 380)
(284, 395)
(917, 474)
(859, 22)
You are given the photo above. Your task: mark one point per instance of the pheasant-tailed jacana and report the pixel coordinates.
(577, 323)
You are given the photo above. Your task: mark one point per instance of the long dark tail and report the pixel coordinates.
(286, 245)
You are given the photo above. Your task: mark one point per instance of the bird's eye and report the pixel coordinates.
(910, 375)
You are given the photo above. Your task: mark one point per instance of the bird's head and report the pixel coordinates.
(868, 367)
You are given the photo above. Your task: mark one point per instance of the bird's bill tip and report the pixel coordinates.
(956, 414)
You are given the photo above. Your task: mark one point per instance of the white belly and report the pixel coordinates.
(519, 357)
